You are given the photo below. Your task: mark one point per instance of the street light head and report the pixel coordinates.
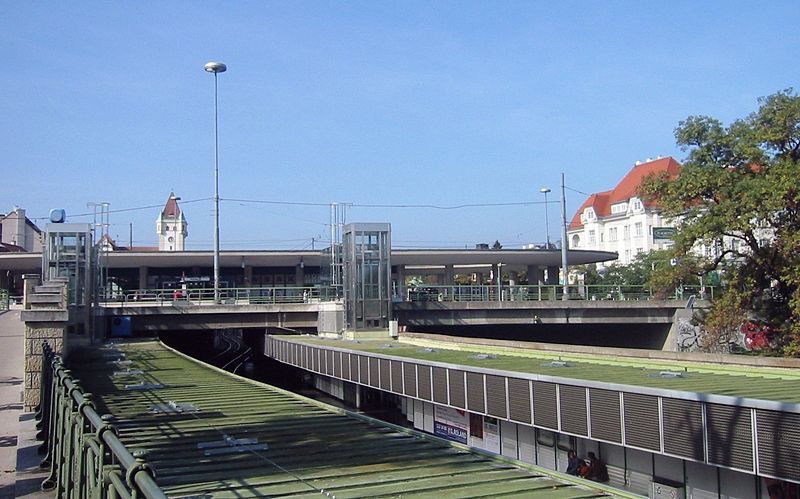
(544, 190)
(215, 67)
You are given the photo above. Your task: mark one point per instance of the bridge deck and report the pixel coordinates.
(248, 439)
(741, 384)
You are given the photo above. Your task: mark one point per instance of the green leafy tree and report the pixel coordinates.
(738, 194)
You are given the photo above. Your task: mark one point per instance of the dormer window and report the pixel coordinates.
(589, 212)
(619, 208)
(636, 204)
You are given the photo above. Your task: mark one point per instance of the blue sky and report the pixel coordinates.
(370, 103)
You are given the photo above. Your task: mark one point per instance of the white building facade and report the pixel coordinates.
(171, 226)
(620, 220)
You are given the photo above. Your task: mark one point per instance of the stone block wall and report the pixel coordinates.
(45, 322)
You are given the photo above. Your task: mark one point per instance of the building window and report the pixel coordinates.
(627, 255)
(592, 239)
(619, 208)
(626, 232)
(612, 234)
(638, 231)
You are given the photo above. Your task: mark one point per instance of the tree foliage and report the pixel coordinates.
(738, 197)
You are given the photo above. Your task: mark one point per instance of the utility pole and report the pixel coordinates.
(564, 243)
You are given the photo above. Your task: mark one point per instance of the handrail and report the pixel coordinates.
(545, 292)
(85, 456)
(418, 293)
(228, 296)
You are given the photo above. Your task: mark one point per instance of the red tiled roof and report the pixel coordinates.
(627, 188)
(171, 209)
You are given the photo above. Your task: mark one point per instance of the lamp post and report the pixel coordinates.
(216, 67)
(545, 190)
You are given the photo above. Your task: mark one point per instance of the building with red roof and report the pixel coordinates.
(171, 226)
(619, 219)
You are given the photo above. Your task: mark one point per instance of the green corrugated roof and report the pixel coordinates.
(768, 384)
(297, 448)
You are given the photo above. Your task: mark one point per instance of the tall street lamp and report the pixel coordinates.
(545, 190)
(216, 67)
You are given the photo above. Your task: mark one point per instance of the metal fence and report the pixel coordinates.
(83, 453)
(230, 296)
(444, 293)
(484, 293)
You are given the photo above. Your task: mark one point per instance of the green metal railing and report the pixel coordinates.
(229, 296)
(544, 292)
(4, 299)
(83, 453)
(446, 293)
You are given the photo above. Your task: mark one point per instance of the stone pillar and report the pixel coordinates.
(552, 275)
(449, 275)
(45, 317)
(142, 277)
(535, 275)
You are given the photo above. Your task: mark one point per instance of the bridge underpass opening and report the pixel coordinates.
(646, 336)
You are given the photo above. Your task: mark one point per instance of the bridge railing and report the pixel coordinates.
(83, 453)
(231, 296)
(488, 293)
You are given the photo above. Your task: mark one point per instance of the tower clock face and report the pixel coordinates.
(170, 239)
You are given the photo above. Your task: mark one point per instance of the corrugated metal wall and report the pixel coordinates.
(740, 438)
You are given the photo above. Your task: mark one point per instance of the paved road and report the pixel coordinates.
(11, 373)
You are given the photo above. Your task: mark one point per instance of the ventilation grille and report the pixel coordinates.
(397, 376)
(363, 369)
(496, 396)
(374, 374)
(573, 409)
(605, 414)
(683, 428)
(424, 381)
(329, 362)
(383, 373)
(641, 421)
(410, 379)
(337, 364)
(440, 385)
(778, 444)
(347, 372)
(457, 392)
(519, 400)
(475, 400)
(545, 408)
(730, 437)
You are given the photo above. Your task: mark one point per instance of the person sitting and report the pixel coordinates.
(573, 463)
(597, 469)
